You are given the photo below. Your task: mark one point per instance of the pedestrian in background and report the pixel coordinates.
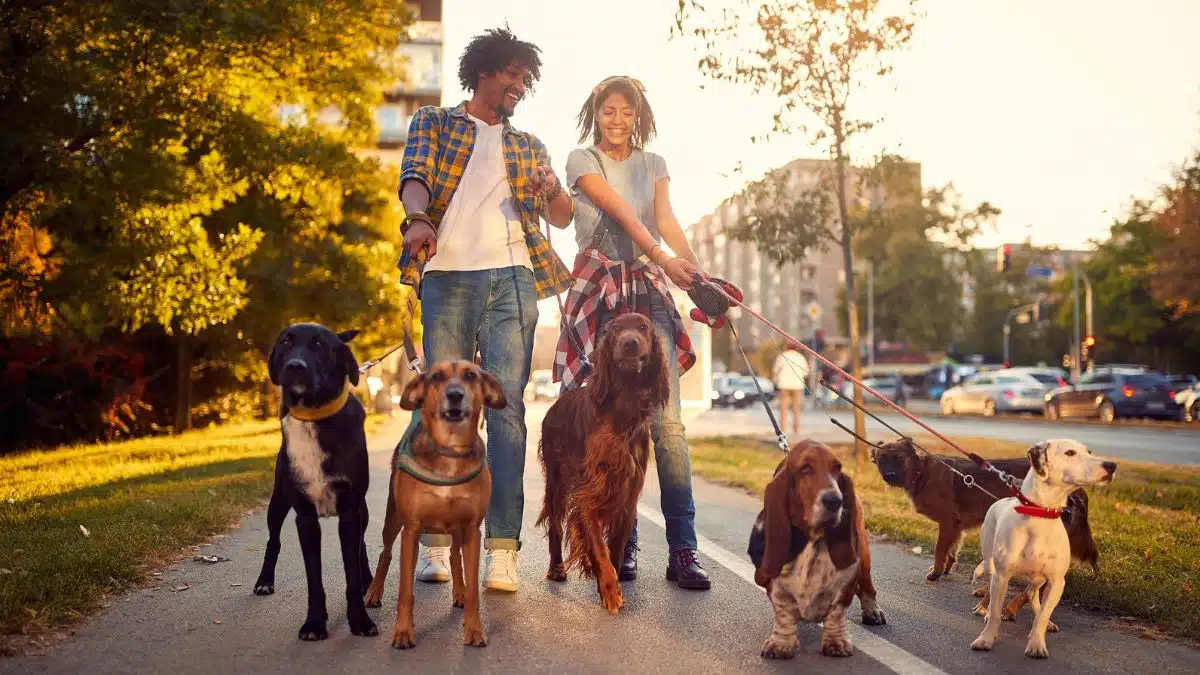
(790, 373)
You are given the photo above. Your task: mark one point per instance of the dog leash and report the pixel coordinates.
(711, 296)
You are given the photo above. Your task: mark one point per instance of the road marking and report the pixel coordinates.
(889, 655)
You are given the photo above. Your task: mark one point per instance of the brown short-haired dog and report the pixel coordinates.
(810, 551)
(940, 495)
(450, 396)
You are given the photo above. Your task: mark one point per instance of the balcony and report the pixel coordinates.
(422, 64)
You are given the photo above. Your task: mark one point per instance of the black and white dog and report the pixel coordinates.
(322, 467)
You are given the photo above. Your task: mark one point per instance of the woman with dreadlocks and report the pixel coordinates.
(622, 215)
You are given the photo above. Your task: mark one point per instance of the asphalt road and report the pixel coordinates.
(1147, 443)
(216, 626)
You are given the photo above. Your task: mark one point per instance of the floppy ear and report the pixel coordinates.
(414, 393)
(843, 544)
(273, 363)
(1037, 457)
(493, 395)
(777, 529)
(349, 363)
(346, 336)
(601, 379)
(660, 383)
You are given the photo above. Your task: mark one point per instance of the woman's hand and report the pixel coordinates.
(681, 272)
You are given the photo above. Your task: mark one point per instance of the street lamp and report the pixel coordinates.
(1077, 352)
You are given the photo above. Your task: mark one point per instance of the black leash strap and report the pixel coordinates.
(781, 438)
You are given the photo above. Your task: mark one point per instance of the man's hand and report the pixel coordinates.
(543, 181)
(420, 235)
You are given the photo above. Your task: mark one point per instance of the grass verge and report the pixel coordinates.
(1146, 524)
(77, 524)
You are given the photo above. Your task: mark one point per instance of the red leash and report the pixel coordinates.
(1027, 507)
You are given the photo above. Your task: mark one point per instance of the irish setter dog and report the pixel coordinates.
(594, 448)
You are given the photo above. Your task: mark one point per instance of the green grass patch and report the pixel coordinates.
(140, 502)
(1146, 524)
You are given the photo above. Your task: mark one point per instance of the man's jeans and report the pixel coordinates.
(497, 308)
(670, 447)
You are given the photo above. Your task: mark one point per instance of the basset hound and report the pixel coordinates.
(810, 551)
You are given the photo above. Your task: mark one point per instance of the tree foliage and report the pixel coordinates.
(192, 166)
(1176, 280)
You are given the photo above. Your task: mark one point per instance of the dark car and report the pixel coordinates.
(1111, 393)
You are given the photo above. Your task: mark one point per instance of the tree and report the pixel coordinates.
(146, 153)
(812, 56)
(1176, 279)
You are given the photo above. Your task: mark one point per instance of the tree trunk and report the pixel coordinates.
(183, 383)
(860, 422)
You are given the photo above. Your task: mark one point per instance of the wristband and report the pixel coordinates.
(558, 190)
(412, 217)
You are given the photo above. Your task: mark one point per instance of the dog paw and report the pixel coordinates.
(1037, 649)
(264, 588)
(1008, 615)
(557, 573)
(980, 609)
(362, 625)
(979, 592)
(613, 601)
(459, 597)
(933, 574)
(373, 597)
(1051, 627)
(983, 643)
(873, 617)
(402, 638)
(313, 630)
(779, 649)
(836, 646)
(474, 637)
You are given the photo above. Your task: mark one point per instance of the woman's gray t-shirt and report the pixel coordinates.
(633, 178)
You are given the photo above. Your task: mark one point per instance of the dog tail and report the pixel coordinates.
(1079, 530)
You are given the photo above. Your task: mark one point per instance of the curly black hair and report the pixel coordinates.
(492, 52)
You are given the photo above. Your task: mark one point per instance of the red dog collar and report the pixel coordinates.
(1028, 508)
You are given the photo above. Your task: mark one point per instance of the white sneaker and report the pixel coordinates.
(433, 564)
(501, 570)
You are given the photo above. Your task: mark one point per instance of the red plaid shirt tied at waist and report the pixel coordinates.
(603, 286)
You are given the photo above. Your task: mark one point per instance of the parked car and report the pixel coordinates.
(1006, 390)
(1113, 392)
(737, 391)
(541, 386)
(1189, 403)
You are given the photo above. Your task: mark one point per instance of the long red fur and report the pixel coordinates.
(594, 448)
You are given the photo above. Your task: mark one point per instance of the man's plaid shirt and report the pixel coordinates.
(439, 143)
(606, 287)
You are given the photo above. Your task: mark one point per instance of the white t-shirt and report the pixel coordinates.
(482, 228)
(790, 370)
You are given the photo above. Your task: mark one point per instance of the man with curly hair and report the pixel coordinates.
(474, 188)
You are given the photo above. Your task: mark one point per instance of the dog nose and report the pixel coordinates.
(831, 501)
(1110, 467)
(629, 344)
(296, 365)
(455, 395)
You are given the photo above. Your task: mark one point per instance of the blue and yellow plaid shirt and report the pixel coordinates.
(440, 141)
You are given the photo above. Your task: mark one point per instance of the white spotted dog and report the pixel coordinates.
(810, 551)
(1025, 538)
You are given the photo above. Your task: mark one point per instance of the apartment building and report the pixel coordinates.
(422, 83)
(800, 297)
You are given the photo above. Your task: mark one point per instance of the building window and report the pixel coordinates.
(807, 272)
(392, 121)
(422, 68)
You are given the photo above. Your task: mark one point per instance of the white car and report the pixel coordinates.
(1008, 390)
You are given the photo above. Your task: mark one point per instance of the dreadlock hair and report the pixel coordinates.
(492, 52)
(634, 92)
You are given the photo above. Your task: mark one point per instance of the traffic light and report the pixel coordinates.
(1085, 356)
(1004, 258)
(819, 340)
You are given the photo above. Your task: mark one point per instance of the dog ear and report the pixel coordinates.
(349, 363)
(777, 526)
(600, 380)
(273, 364)
(414, 393)
(346, 336)
(1037, 457)
(843, 544)
(493, 395)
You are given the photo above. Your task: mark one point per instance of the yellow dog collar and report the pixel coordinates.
(321, 412)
